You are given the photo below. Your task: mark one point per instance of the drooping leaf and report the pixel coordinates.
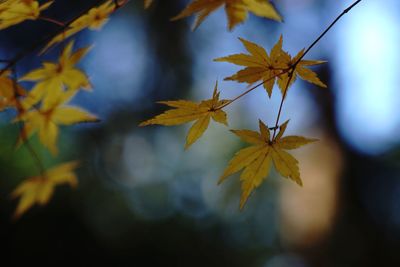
(47, 119)
(255, 161)
(236, 10)
(40, 189)
(8, 96)
(13, 12)
(260, 66)
(53, 78)
(186, 111)
(93, 20)
(300, 71)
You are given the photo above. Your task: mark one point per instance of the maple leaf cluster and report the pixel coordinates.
(276, 67)
(43, 110)
(45, 107)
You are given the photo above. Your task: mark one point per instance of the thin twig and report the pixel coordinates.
(293, 67)
(327, 30)
(54, 21)
(282, 101)
(253, 88)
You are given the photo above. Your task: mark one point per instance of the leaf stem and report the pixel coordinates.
(253, 88)
(54, 21)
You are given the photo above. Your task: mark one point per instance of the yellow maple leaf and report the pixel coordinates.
(16, 11)
(269, 68)
(40, 189)
(259, 66)
(147, 3)
(256, 160)
(236, 10)
(7, 92)
(46, 120)
(93, 20)
(301, 71)
(53, 78)
(186, 111)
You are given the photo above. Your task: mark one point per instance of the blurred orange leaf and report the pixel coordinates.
(13, 12)
(46, 120)
(53, 78)
(40, 189)
(7, 92)
(236, 10)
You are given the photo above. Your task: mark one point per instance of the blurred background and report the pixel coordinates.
(144, 201)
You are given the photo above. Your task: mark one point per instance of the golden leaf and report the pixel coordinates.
(13, 12)
(255, 161)
(236, 10)
(93, 20)
(186, 111)
(7, 92)
(40, 189)
(46, 120)
(270, 68)
(53, 78)
(300, 71)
